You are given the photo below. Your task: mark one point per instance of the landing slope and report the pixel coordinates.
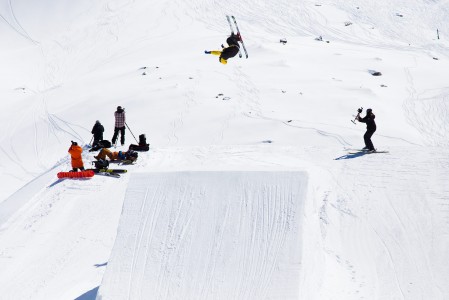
(208, 235)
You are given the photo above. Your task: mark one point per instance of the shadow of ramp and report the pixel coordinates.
(208, 235)
(89, 295)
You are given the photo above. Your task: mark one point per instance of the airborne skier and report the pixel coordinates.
(233, 44)
(232, 50)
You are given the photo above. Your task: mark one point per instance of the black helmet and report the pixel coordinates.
(119, 107)
(369, 111)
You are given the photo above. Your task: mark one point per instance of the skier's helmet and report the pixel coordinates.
(369, 111)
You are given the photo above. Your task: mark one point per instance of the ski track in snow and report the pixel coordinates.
(428, 112)
(403, 233)
(21, 31)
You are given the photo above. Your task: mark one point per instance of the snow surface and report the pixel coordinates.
(206, 235)
(371, 226)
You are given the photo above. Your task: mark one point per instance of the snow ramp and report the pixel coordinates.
(208, 235)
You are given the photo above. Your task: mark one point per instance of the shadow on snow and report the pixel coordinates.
(89, 295)
(351, 155)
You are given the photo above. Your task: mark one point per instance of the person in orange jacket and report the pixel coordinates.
(75, 153)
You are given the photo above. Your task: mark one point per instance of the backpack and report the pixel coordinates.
(139, 147)
(142, 140)
(100, 145)
(132, 153)
(143, 146)
(101, 164)
(105, 144)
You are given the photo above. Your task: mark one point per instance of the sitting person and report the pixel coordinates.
(120, 155)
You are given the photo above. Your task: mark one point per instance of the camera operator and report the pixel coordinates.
(75, 153)
(370, 128)
(120, 121)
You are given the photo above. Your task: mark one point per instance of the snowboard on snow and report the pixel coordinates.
(81, 174)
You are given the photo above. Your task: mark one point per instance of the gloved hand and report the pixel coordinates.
(206, 52)
(360, 110)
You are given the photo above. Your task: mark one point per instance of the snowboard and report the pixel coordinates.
(81, 174)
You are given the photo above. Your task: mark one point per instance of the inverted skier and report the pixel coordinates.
(227, 52)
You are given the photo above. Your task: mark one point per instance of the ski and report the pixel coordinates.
(123, 162)
(356, 150)
(113, 170)
(366, 152)
(232, 31)
(111, 174)
(241, 39)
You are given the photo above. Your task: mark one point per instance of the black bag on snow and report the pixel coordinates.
(100, 145)
(105, 144)
(101, 164)
(132, 153)
(143, 146)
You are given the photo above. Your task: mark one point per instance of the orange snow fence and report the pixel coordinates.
(81, 174)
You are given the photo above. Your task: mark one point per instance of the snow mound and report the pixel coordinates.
(208, 235)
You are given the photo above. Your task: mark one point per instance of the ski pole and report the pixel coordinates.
(90, 143)
(131, 132)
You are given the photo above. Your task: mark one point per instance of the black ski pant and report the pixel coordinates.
(97, 138)
(76, 169)
(367, 137)
(122, 135)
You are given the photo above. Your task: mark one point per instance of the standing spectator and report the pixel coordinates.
(97, 131)
(75, 153)
(120, 122)
(370, 128)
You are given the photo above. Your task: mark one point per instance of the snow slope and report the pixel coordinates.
(373, 226)
(205, 235)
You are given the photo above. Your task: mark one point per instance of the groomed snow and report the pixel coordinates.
(208, 235)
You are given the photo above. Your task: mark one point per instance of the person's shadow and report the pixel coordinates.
(351, 155)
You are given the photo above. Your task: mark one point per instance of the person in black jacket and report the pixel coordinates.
(228, 52)
(97, 131)
(370, 128)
